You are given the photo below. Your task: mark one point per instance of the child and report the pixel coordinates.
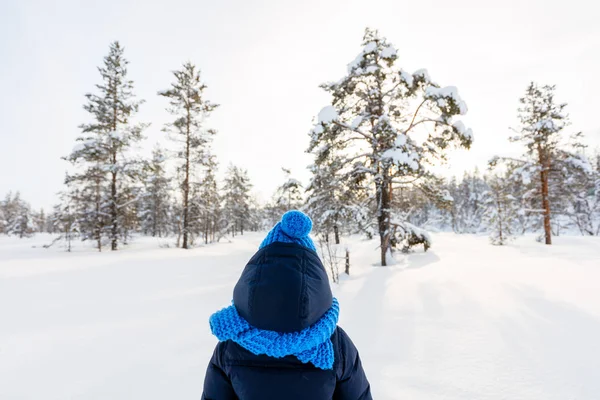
(280, 340)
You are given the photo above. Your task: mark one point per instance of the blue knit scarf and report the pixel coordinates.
(310, 345)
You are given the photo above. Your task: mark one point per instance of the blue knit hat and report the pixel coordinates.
(294, 227)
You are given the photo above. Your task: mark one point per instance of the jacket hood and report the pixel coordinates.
(283, 288)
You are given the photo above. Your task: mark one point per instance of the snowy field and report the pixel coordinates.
(464, 321)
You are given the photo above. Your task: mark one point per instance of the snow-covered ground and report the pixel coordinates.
(465, 320)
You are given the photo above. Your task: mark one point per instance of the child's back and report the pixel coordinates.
(280, 340)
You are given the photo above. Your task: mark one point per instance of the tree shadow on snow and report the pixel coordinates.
(420, 260)
(555, 341)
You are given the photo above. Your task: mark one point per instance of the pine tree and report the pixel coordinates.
(374, 121)
(236, 196)
(330, 204)
(468, 203)
(40, 222)
(288, 196)
(542, 121)
(155, 207)
(501, 210)
(64, 220)
(188, 105)
(21, 219)
(106, 173)
(578, 183)
(210, 202)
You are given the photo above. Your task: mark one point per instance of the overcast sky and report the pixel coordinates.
(263, 62)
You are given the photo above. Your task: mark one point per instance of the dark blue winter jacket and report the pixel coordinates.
(284, 288)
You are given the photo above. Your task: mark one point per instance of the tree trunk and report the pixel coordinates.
(336, 231)
(383, 219)
(98, 218)
(545, 196)
(113, 183)
(186, 184)
(499, 219)
(113, 207)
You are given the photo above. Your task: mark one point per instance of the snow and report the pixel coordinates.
(447, 196)
(465, 320)
(356, 122)
(462, 130)
(449, 92)
(328, 114)
(318, 129)
(423, 73)
(582, 163)
(117, 135)
(400, 140)
(406, 77)
(369, 48)
(81, 145)
(388, 52)
(401, 157)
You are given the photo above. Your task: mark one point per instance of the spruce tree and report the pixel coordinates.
(210, 202)
(236, 196)
(190, 108)
(105, 171)
(386, 126)
(155, 207)
(288, 196)
(329, 203)
(500, 212)
(64, 220)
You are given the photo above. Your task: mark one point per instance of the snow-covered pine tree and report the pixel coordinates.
(387, 125)
(500, 210)
(64, 220)
(577, 183)
(329, 203)
(21, 221)
(468, 203)
(209, 201)
(236, 196)
(8, 212)
(288, 196)
(105, 172)
(155, 203)
(40, 221)
(542, 121)
(190, 108)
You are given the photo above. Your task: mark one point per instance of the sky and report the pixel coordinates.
(263, 62)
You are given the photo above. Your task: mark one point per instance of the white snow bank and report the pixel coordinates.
(465, 320)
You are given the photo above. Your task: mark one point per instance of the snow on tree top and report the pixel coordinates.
(388, 52)
(448, 92)
(461, 129)
(328, 114)
(406, 77)
(369, 48)
(423, 73)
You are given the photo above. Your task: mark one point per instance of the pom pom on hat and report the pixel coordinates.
(294, 227)
(296, 224)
